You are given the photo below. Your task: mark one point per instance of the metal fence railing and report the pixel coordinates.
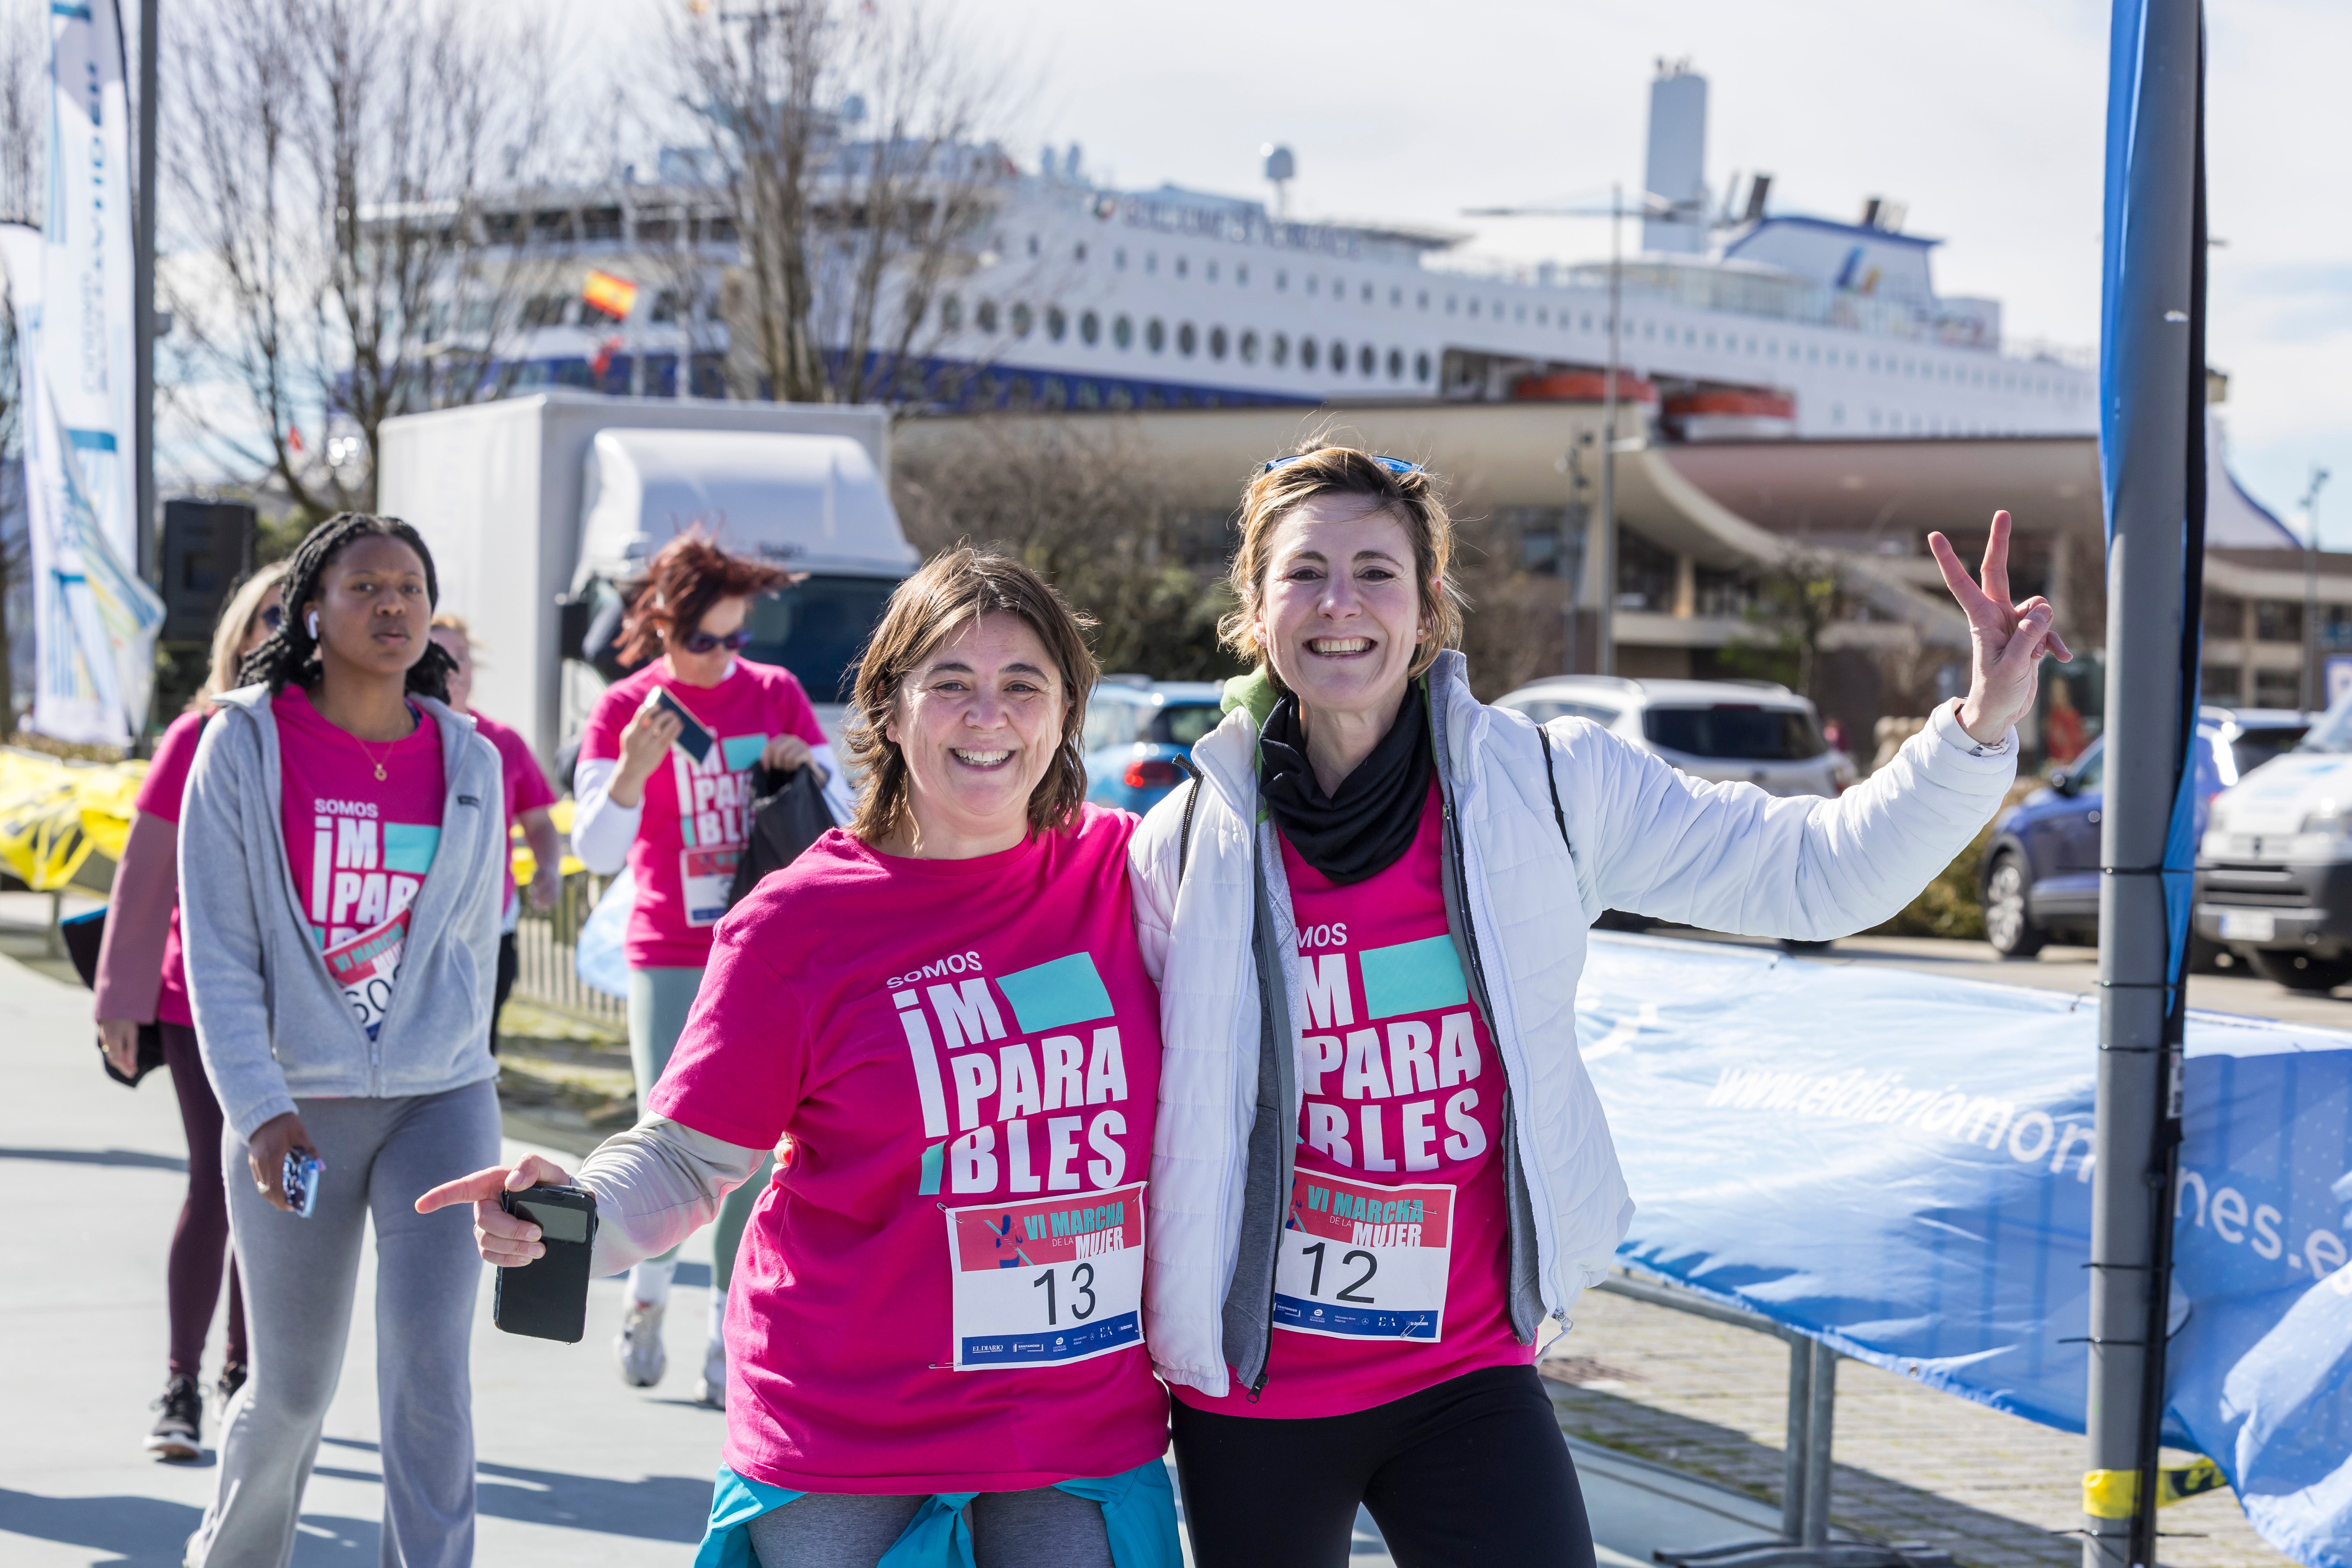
(545, 971)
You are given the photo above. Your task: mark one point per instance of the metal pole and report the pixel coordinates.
(1799, 1443)
(1820, 1436)
(2153, 353)
(1605, 552)
(142, 288)
(2315, 692)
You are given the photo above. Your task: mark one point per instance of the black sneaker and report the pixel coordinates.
(232, 1378)
(175, 1431)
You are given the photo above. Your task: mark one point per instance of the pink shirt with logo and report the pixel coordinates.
(159, 796)
(696, 814)
(358, 846)
(1397, 1246)
(940, 1290)
(525, 787)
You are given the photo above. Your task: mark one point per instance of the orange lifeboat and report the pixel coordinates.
(1752, 404)
(1731, 414)
(1583, 387)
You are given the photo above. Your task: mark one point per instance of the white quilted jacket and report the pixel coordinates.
(1645, 838)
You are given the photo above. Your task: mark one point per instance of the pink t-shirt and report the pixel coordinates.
(358, 845)
(526, 786)
(941, 1289)
(697, 815)
(1393, 1264)
(159, 796)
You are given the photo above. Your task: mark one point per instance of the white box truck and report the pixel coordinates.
(537, 509)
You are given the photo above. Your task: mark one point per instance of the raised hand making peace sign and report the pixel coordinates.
(2007, 639)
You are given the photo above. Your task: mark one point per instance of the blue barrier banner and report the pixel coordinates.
(1900, 1164)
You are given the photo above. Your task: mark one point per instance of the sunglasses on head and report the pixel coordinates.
(735, 641)
(1396, 466)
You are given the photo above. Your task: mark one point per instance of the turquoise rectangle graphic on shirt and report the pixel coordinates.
(1066, 991)
(741, 751)
(1413, 977)
(408, 847)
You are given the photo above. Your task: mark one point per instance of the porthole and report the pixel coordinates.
(1277, 352)
(1281, 280)
(1519, 312)
(1307, 351)
(1155, 335)
(1313, 283)
(1249, 348)
(1368, 360)
(1474, 306)
(1183, 267)
(1420, 300)
(1543, 317)
(1396, 298)
(1023, 319)
(1368, 294)
(951, 312)
(1584, 323)
(1209, 271)
(1420, 366)
(1151, 261)
(1057, 324)
(1118, 258)
(1217, 342)
(1452, 304)
(1240, 275)
(1396, 364)
(1090, 328)
(985, 317)
(1122, 333)
(1082, 250)
(1187, 340)
(1339, 357)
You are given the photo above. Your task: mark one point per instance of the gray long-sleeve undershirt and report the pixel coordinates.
(655, 1185)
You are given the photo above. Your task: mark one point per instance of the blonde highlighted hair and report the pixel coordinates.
(1322, 467)
(235, 623)
(952, 592)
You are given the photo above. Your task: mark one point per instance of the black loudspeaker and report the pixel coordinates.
(207, 550)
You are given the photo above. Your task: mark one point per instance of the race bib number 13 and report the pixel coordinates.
(1364, 1262)
(1045, 1281)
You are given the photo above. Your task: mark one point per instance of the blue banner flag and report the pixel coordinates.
(1901, 1165)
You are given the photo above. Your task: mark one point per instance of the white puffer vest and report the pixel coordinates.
(1523, 885)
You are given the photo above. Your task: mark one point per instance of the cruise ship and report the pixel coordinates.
(1740, 320)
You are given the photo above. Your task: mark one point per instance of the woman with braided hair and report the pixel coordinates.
(342, 869)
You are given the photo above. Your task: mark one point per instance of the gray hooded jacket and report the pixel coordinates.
(272, 1021)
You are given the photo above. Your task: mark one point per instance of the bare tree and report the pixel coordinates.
(22, 125)
(850, 137)
(332, 168)
(1080, 507)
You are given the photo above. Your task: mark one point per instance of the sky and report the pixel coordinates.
(1987, 120)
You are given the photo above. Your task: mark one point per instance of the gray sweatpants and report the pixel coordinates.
(1043, 1528)
(300, 1278)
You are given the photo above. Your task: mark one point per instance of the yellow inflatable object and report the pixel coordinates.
(54, 814)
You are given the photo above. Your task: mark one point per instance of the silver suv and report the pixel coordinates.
(1752, 731)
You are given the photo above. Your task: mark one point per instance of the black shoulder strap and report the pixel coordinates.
(1184, 838)
(1543, 739)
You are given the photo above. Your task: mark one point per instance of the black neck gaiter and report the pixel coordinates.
(1368, 825)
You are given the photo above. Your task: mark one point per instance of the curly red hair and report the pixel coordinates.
(683, 580)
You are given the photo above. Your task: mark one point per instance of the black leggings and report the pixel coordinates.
(192, 1272)
(1470, 1474)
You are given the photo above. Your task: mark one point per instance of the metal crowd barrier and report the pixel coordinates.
(1804, 1539)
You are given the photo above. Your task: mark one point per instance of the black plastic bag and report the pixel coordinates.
(85, 934)
(788, 814)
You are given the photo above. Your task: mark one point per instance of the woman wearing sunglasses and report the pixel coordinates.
(1385, 890)
(673, 803)
(140, 981)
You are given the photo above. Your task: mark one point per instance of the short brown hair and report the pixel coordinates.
(683, 580)
(952, 592)
(1327, 467)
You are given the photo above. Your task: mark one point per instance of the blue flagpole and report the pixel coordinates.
(2151, 447)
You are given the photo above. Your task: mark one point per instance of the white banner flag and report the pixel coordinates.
(95, 621)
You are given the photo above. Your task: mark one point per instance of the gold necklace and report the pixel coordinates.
(379, 774)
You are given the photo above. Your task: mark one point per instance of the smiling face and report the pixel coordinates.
(373, 608)
(978, 719)
(1340, 612)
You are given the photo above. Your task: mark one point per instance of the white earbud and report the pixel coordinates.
(313, 625)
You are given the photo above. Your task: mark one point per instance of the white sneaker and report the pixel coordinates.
(642, 1356)
(711, 1387)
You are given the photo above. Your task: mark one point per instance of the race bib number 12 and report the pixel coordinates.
(1364, 1262)
(1042, 1282)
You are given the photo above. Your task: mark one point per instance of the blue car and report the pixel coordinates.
(2041, 877)
(1136, 728)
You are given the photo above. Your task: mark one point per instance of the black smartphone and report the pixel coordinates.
(547, 1296)
(691, 734)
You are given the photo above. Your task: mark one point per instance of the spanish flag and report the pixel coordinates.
(614, 295)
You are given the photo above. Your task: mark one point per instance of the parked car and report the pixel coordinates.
(2040, 881)
(2275, 863)
(1136, 728)
(1751, 732)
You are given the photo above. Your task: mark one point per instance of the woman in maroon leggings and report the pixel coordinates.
(140, 982)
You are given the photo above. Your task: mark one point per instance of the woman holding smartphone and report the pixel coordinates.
(664, 786)
(1381, 1163)
(937, 1332)
(340, 870)
(141, 980)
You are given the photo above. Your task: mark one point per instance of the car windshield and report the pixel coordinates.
(1544, 710)
(2333, 732)
(816, 627)
(1744, 731)
(1182, 724)
(2253, 748)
